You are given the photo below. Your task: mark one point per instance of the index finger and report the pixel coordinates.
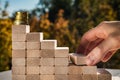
(88, 37)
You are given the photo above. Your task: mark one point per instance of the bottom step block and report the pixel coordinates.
(18, 77)
(47, 77)
(32, 77)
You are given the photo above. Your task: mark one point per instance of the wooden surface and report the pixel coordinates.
(6, 75)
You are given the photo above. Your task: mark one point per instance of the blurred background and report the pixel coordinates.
(64, 20)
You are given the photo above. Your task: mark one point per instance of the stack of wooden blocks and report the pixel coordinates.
(36, 59)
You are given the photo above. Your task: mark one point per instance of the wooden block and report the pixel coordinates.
(61, 77)
(33, 61)
(47, 53)
(19, 37)
(89, 73)
(61, 52)
(34, 37)
(18, 62)
(18, 53)
(47, 77)
(78, 59)
(73, 69)
(48, 44)
(61, 70)
(47, 61)
(18, 45)
(103, 74)
(46, 70)
(33, 45)
(32, 77)
(89, 69)
(33, 70)
(22, 29)
(18, 70)
(61, 61)
(18, 77)
(75, 77)
(90, 77)
(33, 53)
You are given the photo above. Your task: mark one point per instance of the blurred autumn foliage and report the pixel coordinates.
(64, 20)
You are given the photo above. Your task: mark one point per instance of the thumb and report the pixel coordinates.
(99, 52)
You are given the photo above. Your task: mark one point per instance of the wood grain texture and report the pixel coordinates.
(61, 62)
(22, 29)
(18, 77)
(47, 61)
(34, 37)
(19, 37)
(48, 44)
(18, 53)
(61, 52)
(33, 45)
(47, 77)
(47, 70)
(18, 45)
(18, 70)
(33, 53)
(61, 77)
(32, 77)
(61, 70)
(33, 70)
(73, 69)
(33, 61)
(47, 53)
(75, 77)
(18, 62)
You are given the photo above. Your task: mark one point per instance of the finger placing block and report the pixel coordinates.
(32, 77)
(22, 29)
(47, 53)
(61, 70)
(33, 70)
(33, 45)
(78, 59)
(103, 74)
(34, 37)
(61, 62)
(18, 37)
(75, 77)
(61, 77)
(33, 53)
(48, 44)
(47, 61)
(61, 52)
(47, 77)
(18, 62)
(18, 53)
(18, 45)
(46, 70)
(18, 77)
(73, 69)
(33, 61)
(18, 70)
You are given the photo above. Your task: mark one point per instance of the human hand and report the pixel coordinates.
(101, 42)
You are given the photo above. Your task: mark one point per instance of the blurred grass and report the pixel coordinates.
(5, 44)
